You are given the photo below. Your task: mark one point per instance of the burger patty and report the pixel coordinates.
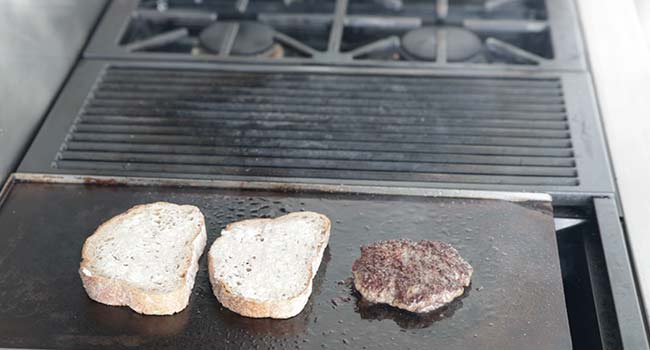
(414, 276)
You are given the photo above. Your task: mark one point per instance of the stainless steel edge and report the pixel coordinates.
(565, 35)
(282, 186)
(587, 136)
(629, 310)
(466, 71)
(112, 26)
(6, 188)
(560, 196)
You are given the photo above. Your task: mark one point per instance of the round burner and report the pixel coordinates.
(421, 43)
(253, 38)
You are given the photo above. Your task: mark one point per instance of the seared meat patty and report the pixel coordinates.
(414, 276)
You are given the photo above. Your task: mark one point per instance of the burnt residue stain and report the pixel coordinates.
(405, 319)
(544, 208)
(100, 181)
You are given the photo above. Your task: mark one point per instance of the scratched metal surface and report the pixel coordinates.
(515, 301)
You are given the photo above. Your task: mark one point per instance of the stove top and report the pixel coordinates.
(413, 33)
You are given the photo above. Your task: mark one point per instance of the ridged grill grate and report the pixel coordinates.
(185, 122)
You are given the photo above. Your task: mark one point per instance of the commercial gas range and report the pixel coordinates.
(388, 33)
(254, 108)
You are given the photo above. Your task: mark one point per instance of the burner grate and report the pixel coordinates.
(378, 33)
(186, 122)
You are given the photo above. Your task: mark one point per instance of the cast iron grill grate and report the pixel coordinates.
(185, 122)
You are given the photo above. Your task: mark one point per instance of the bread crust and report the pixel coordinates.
(117, 292)
(279, 308)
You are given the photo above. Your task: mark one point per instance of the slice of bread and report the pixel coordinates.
(145, 258)
(265, 267)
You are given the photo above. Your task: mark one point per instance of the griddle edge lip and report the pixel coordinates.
(516, 197)
(6, 188)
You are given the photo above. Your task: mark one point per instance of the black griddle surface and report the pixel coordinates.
(515, 300)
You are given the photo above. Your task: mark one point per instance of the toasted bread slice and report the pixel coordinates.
(265, 267)
(145, 258)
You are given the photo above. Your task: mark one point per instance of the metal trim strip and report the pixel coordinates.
(629, 311)
(282, 186)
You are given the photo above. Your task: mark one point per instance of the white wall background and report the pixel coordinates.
(618, 43)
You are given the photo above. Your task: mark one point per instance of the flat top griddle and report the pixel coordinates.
(515, 301)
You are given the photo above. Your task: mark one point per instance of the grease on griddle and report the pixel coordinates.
(405, 319)
(294, 326)
(124, 320)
